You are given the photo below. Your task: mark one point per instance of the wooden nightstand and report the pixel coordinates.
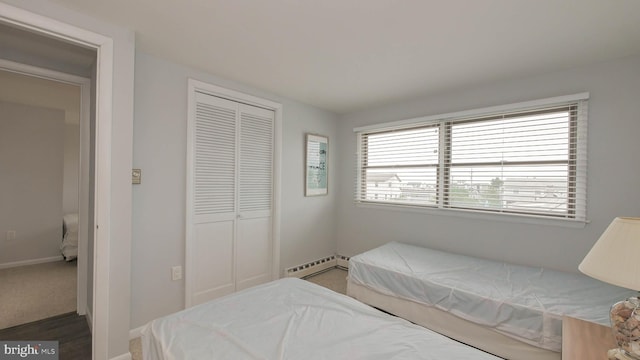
(585, 340)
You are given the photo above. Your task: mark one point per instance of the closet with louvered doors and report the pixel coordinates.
(230, 197)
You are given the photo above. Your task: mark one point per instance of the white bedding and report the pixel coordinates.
(294, 319)
(524, 303)
(69, 245)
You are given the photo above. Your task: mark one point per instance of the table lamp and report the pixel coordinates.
(615, 259)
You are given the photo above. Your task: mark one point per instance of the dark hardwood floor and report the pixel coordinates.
(70, 330)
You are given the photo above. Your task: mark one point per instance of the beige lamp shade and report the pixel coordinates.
(615, 257)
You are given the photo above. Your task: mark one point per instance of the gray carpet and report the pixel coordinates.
(334, 279)
(35, 292)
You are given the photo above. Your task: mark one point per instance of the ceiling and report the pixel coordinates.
(347, 55)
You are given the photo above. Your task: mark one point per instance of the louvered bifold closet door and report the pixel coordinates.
(255, 197)
(213, 188)
(230, 213)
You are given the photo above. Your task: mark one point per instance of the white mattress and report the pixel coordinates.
(524, 303)
(294, 319)
(69, 245)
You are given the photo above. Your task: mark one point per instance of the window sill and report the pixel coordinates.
(479, 215)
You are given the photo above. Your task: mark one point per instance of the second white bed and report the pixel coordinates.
(512, 311)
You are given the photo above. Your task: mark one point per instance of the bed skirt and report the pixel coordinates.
(450, 325)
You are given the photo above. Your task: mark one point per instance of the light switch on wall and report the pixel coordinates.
(136, 176)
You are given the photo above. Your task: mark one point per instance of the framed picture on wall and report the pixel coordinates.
(316, 165)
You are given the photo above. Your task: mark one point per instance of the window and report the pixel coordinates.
(527, 158)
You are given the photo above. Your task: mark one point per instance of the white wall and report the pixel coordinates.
(35, 91)
(160, 138)
(31, 159)
(613, 171)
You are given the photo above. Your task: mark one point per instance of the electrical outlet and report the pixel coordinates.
(176, 273)
(11, 235)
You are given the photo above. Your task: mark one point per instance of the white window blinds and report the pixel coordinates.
(527, 158)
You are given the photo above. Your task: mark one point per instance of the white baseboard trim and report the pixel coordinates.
(313, 267)
(89, 318)
(31, 262)
(125, 356)
(317, 266)
(342, 261)
(135, 333)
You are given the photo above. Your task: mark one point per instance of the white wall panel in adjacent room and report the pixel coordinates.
(31, 175)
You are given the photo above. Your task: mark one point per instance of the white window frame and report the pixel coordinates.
(579, 218)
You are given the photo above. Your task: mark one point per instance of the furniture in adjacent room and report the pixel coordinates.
(512, 311)
(585, 340)
(69, 244)
(292, 319)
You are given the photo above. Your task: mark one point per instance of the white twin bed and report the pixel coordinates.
(297, 320)
(512, 311)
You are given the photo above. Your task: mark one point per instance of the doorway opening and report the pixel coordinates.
(100, 190)
(44, 254)
(46, 147)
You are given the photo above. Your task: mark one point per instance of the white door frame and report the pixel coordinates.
(199, 86)
(104, 85)
(83, 161)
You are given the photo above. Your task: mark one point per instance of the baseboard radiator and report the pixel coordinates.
(318, 266)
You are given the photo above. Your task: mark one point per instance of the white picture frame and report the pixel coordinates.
(316, 174)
